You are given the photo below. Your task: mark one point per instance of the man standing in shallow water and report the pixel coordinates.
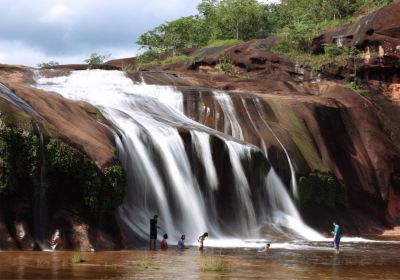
(153, 232)
(337, 234)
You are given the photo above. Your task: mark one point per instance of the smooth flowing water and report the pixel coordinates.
(149, 121)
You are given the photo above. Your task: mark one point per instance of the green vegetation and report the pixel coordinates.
(70, 177)
(332, 56)
(322, 189)
(77, 259)
(48, 64)
(214, 264)
(226, 22)
(151, 58)
(95, 60)
(216, 20)
(297, 22)
(147, 264)
(19, 160)
(226, 65)
(73, 176)
(354, 86)
(223, 43)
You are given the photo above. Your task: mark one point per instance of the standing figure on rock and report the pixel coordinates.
(201, 240)
(337, 234)
(153, 232)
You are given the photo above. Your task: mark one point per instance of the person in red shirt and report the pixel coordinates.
(164, 244)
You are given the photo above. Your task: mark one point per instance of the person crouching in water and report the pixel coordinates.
(264, 248)
(164, 243)
(181, 242)
(337, 234)
(201, 240)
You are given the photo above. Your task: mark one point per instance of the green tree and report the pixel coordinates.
(48, 64)
(95, 61)
(217, 19)
(186, 32)
(242, 19)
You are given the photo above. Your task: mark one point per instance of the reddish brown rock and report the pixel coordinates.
(378, 33)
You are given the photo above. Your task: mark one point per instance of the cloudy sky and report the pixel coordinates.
(67, 31)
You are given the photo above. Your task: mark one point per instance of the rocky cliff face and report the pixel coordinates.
(324, 126)
(59, 173)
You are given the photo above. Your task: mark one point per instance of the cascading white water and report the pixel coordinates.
(201, 141)
(242, 186)
(160, 179)
(284, 213)
(232, 125)
(293, 180)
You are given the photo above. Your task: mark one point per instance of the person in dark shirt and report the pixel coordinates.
(153, 232)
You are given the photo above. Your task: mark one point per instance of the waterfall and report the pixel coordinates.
(232, 125)
(201, 142)
(151, 128)
(293, 180)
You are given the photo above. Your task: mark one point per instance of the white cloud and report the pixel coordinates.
(57, 13)
(32, 32)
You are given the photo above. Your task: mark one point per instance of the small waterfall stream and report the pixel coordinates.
(40, 211)
(150, 123)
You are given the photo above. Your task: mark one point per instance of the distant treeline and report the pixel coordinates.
(294, 22)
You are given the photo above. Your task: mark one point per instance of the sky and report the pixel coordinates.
(68, 31)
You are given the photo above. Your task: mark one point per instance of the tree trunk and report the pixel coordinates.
(237, 29)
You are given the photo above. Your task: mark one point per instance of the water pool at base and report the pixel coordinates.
(294, 260)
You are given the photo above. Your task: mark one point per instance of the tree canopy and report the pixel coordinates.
(294, 22)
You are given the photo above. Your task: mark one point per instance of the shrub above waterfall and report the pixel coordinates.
(95, 60)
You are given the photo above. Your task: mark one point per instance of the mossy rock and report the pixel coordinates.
(322, 189)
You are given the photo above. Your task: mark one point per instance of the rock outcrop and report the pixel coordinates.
(51, 148)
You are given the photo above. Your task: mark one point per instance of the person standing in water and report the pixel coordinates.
(201, 240)
(181, 242)
(337, 234)
(153, 232)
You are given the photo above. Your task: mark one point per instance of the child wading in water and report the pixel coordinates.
(181, 242)
(164, 243)
(201, 240)
(264, 248)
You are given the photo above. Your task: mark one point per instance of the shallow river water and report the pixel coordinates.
(295, 260)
